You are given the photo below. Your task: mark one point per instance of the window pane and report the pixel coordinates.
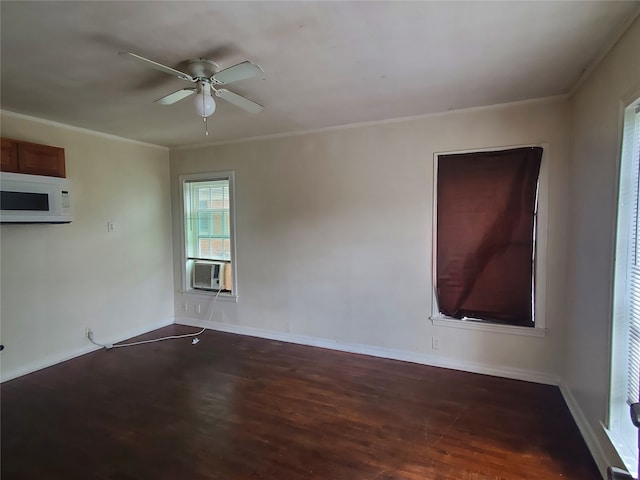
(632, 300)
(625, 348)
(208, 220)
(218, 248)
(217, 225)
(204, 224)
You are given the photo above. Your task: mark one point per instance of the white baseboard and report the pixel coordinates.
(403, 355)
(63, 356)
(590, 438)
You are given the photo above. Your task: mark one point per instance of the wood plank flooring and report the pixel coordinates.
(239, 408)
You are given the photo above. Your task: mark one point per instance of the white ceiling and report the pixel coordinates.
(325, 63)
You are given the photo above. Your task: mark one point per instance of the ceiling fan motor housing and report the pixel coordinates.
(203, 69)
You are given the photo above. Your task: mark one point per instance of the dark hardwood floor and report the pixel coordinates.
(234, 407)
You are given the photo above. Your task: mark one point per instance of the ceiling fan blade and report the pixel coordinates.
(176, 96)
(159, 66)
(237, 72)
(239, 101)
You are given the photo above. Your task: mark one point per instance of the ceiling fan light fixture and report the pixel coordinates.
(204, 103)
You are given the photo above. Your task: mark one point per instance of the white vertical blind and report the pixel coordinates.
(630, 194)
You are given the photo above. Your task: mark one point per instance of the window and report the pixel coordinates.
(487, 258)
(208, 232)
(625, 362)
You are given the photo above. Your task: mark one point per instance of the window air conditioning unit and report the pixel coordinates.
(208, 276)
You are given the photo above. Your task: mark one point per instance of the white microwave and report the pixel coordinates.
(34, 199)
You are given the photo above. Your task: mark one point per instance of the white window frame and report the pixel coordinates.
(619, 428)
(540, 287)
(186, 284)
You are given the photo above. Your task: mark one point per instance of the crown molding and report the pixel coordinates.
(73, 128)
(497, 106)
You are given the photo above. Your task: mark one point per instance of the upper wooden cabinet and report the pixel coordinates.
(32, 158)
(9, 157)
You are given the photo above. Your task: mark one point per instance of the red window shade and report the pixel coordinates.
(486, 203)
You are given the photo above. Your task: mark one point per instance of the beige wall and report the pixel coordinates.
(334, 234)
(596, 112)
(59, 279)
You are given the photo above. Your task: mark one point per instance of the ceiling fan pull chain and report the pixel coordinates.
(206, 126)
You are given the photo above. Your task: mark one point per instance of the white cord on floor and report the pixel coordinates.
(171, 337)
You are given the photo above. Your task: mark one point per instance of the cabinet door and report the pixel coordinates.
(41, 159)
(9, 156)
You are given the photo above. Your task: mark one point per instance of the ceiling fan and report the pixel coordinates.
(208, 77)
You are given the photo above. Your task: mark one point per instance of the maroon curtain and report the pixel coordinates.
(485, 243)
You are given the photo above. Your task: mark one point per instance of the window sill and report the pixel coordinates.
(487, 327)
(223, 297)
(628, 455)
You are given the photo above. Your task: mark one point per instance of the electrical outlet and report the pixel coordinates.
(435, 343)
(184, 307)
(89, 333)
